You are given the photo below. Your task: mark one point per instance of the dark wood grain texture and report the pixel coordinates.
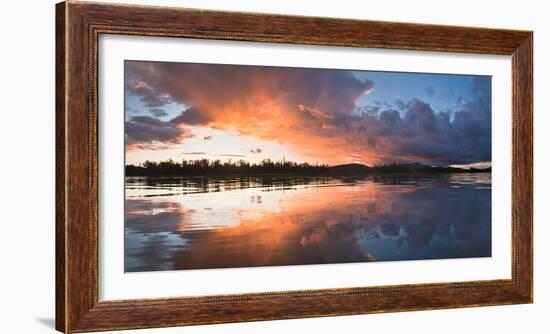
(60, 180)
(78, 27)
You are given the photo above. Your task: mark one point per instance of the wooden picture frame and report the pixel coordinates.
(78, 26)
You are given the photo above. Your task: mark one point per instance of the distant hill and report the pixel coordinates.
(349, 169)
(414, 167)
(421, 168)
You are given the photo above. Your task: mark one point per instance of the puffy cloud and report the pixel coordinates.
(157, 112)
(317, 113)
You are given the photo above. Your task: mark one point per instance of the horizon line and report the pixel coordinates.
(476, 165)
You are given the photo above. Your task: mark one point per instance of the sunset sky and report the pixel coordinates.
(194, 111)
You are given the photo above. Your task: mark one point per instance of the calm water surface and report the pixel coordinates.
(177, 223)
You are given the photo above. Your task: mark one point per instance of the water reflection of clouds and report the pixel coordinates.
(323, 221)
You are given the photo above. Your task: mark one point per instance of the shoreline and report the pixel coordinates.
(228, 175)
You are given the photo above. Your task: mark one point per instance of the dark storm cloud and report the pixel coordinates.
(421, 134)
(144, 130)
(191, 116)
(157, 112)
(467, 138)
(149, 96)
(129, 110)
(156, 101)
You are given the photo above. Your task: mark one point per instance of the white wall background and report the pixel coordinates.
(27, 165)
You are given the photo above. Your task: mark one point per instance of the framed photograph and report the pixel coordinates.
(222, 167)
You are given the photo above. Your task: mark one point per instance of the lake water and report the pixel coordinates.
(176, 223)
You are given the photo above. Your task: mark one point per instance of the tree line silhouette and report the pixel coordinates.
(207, 166)
(282, 167)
